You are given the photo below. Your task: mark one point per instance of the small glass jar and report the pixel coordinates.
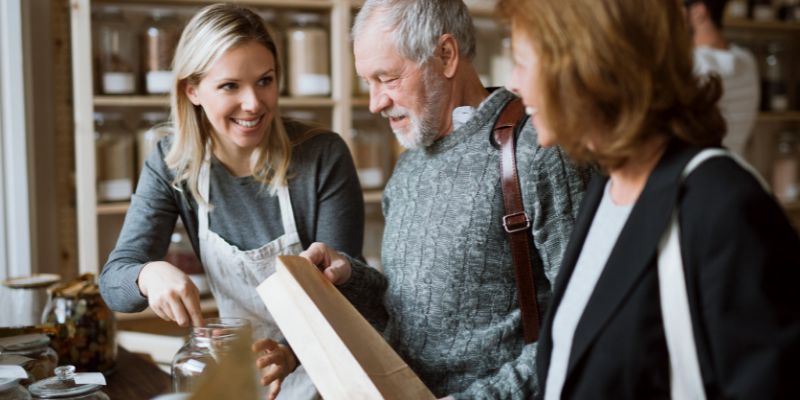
(785, 182)
(372, 153)
(487, 46)
(114, 51)
(147, 137)
(774, 86)
(159, 39)
(24, 299)
(91, 345)
(114, 147)
(308, 58)
(199, 357)
(35, 347)
(502, 64)
(10, 389)
(736, 9)
(762, 11)
(63, 386)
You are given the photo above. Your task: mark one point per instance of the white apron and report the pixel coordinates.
(233, 275)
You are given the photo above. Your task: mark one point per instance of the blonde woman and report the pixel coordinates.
(612, 81)
(247, 184)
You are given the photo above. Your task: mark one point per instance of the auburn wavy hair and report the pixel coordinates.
(620, 67)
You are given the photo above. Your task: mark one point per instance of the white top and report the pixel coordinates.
(739, 103)
(606, 227)
(462, 114)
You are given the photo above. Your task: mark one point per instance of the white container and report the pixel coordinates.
(308, 63)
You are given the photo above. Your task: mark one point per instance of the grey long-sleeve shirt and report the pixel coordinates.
(326, 197)
(450, 305)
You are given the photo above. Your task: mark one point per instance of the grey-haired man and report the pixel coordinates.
(448, 303)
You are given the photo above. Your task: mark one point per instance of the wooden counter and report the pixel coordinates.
(136, 379)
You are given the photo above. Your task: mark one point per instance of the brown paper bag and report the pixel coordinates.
(343, 354)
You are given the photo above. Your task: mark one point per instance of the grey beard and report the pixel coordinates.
(424, 128)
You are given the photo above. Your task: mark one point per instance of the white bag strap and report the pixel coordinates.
(686, 381)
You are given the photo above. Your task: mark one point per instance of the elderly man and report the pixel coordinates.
(448, 303)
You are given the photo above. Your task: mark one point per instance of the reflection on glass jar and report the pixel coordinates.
(10, 389)
(199, 357)
(33, 353)
(114, 52)
(91, 345)
(63, 386)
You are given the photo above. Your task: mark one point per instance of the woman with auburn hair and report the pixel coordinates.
(680, 279)
(247, 184)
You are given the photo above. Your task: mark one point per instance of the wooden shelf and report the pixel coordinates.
(311, 4)
(373, 196)
(779, 116)
(360, 101)
(163, 101)
(475, 11)
(748, 24)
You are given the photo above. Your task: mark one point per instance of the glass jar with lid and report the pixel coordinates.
(114, 52)
(199, 357)
(10, 389)
(308, 63)
(372, 150)
(148, 135)
(785, 182)
(63, 386)
(24, 299)
(774, 86)
(33, 353)
(114, 146)
(159, 38)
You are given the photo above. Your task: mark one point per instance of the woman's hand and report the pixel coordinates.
(171, 294)
(333, 265)
(275, 365)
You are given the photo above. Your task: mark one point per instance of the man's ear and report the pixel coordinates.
(448, 49)
(191, 93)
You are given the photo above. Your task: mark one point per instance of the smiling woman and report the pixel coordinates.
(230, 147)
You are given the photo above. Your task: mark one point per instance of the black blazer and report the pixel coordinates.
(742, 263)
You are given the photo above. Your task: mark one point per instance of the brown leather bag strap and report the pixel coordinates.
(516, 221)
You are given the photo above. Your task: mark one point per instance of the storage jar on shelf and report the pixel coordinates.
(114, 52)
(774, 86)
(114, 147)
(308, 56)
(159, 39)
(785, 182)
(372, 150)
(24, 299)
(147, 137)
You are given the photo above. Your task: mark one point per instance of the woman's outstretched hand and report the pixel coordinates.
(171, 294)
(275, 365)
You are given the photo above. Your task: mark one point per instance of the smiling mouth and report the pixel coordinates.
(247, 124)
(397, 119)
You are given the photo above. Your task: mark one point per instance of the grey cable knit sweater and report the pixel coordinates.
(448, 302)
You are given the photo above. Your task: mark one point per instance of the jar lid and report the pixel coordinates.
(24, 342)
(32, 282)
(305, 18)
(61, 386)
(6, 383)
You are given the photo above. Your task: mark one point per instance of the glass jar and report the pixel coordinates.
(502, 64)
(159, 39)
(10, 389)
(114, 51)
(790, 11)
(271, 18)
(372, 152)
(774, 88)
(63, 386)
(24, 299)
(785, 169)
(91, 345)
(487, 46)
(114, 147)
(199, 357)
(147, 137)
(762, 11)
(736, 9)
(307, 52)
(39, 361)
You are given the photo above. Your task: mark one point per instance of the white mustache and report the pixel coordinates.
(395, 112)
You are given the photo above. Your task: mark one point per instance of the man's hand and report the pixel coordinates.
(171, 294)
(275, 365)
(333, 265)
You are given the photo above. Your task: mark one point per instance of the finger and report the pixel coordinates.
(274, 389)
(265, 344)
(275, 358)
(316, 254)
(191, 300)
(178, 311)
(161, 314)
(166, 310)
(274, 372)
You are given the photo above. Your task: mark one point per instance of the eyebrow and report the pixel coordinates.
(237, 80)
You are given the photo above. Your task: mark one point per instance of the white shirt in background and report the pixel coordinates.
(741, 90)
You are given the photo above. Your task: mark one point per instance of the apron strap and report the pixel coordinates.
(203, 186)
(287, 212)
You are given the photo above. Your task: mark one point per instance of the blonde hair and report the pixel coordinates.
(625, 66)
(212, 32)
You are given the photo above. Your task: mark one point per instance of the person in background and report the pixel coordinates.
(613, 82)
(448, 303)
(735, 65)
(247, 184)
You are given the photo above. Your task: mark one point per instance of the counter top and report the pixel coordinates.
(136, 379)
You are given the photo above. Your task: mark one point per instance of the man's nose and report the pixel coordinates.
(378, 100)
